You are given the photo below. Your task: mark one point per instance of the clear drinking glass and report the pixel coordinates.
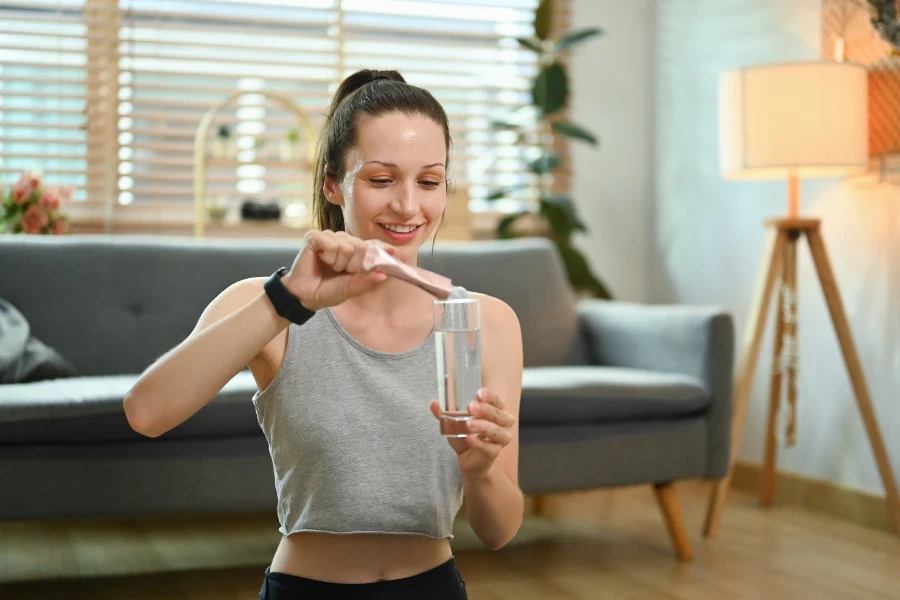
(457, 331)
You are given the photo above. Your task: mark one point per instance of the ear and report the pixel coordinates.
(333, 191)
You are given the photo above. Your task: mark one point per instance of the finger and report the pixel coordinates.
(486, 447)
(493, 432)
(483, 410)
(344, 254)
(486, 395)
(356, 260)
(326, 248)
(359, 283)
(435, 409)
(389, 248)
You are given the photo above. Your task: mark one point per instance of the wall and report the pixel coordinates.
(612, 79)
(707, 235)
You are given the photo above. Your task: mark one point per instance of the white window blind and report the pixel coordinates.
(107, 95)
(42, 88)
(57, 115)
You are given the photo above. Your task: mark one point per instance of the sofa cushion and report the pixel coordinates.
(557, 395)
(89, 409)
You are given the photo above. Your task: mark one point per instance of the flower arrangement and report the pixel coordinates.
(29, 206)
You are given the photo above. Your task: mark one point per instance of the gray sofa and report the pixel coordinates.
(614, 393)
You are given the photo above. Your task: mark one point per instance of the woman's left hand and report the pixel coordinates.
(490, 431)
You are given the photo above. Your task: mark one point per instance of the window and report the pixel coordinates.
(107, 96)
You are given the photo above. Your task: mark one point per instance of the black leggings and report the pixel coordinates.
(440, 583)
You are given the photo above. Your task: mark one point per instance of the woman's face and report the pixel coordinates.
(394, 187)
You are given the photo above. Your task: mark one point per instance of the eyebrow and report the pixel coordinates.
(394, 166)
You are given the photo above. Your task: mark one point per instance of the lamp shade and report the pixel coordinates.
(801, 119)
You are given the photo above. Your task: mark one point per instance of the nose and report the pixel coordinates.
(405, 203)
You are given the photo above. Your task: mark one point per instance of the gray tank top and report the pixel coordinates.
(354, 445)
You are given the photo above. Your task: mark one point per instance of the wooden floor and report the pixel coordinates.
(603, 545)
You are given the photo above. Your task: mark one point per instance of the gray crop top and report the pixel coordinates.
(354, 446)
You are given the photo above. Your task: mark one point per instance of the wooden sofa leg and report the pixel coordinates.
(668, 503)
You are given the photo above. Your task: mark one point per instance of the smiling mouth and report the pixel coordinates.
(401, 229)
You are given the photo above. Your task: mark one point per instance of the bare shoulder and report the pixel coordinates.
(234, 297)
(497, 316)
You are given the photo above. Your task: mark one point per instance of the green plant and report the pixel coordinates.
(549, 96)
(292, 135)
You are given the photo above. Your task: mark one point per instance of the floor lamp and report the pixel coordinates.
(787, 121)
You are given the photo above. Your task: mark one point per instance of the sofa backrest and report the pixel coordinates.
(113, 304)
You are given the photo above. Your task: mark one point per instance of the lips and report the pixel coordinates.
(401, 233)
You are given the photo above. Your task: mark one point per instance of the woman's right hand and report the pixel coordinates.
(328, 269)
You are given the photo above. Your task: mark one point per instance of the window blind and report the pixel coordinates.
(106, 95)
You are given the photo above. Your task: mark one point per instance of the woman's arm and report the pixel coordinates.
(236, 329)
(494, 502)
(230, 335)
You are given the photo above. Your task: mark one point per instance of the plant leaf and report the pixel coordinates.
(504, 192)
(543, 19)
(576, 37)
(574, 131)
(561, 214)
(504, 226)
(565, 202)
(545, 163)
(551, 89)
(529, 43)
(501, 124)
(580, 275)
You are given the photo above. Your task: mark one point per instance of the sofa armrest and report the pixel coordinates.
(693, 340)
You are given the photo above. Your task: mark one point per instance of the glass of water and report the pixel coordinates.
(457, 331)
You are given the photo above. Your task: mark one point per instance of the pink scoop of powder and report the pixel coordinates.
(377, 258)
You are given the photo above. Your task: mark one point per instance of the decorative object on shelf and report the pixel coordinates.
(866, 33)
(253, 210)
(789, 121)
(222, 147)
(202, 211)
(290, 146)
(557, 215)
(217, 209)
(30, 206)
(886, 23)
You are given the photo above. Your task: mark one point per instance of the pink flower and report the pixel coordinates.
(21, 192)
(34, 219)
(65, 193)
(59, 226)
(30, 179)
(49, 200)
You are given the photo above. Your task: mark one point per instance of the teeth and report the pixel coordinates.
(400, 228)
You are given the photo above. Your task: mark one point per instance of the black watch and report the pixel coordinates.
(286, 304)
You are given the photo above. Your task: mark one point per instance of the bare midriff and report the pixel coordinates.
(358, 558)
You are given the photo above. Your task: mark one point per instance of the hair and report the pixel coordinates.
(365, 93)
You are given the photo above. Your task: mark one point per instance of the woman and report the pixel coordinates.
(367, 486)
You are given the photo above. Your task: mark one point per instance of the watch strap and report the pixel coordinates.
(286, 304)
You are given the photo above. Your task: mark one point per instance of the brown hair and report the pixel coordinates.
(371, 93)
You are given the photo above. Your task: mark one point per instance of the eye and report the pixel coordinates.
(380, 181)
(430, 184)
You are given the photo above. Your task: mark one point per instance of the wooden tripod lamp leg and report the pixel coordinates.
(767, 486)
(750, 353)
(854, 368)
